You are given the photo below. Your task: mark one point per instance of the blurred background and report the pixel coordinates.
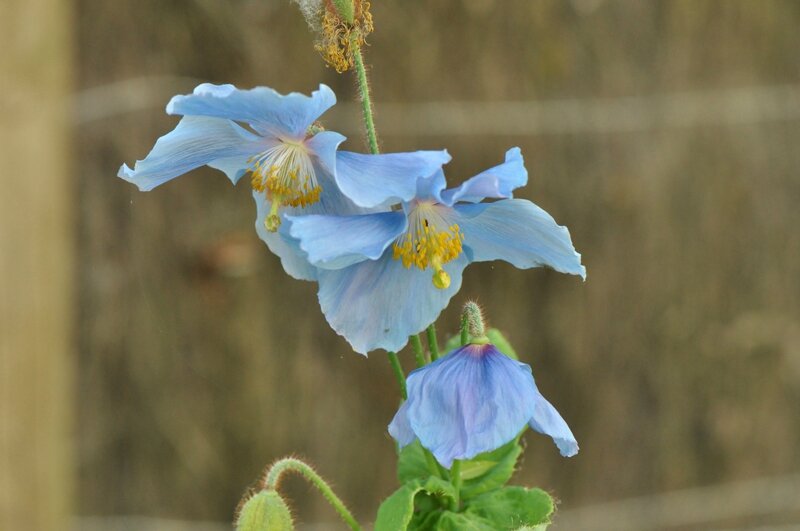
(664, 134)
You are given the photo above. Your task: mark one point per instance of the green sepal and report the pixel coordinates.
(510, 508)
(496, 338)
(396, 511)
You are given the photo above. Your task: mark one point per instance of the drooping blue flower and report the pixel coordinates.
(475, 400)
(396, 270)
(292, 163)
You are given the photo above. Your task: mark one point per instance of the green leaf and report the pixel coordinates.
(411, 464)
(463, 522)
(490, 470)
(396, 511)
(510, 508)
(496, 338)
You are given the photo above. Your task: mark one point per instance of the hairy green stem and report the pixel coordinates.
(398, 374)
(366, 102)
(290, 464)
(419, 353)
(433, 343)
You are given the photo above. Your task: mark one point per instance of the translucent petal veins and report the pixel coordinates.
(286, 173)
(430, 241)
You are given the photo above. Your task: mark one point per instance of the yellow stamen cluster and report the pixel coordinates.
(285, 174)
(429, 242)
(286, 185)
(339, 38)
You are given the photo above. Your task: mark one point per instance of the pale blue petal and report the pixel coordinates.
(334, 242)
(267, 111)
(496, 183)
(474, 400)
(519, 232)
(324, 145)
(547, 421)
(378, 304)
(400, 429)
(372, 180)
(195, 142)
(292, 258)
(431, 188)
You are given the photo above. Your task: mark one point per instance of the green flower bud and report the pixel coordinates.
(264, 511)
(473, 329)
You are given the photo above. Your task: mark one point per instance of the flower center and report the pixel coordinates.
(430, 241)
(286, 174)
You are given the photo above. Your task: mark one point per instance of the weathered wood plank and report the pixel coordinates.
(36, 265)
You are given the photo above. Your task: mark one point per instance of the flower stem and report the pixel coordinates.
(290, 464)
(433, 343)
(398, 374)
(419, 354)
(455, 479)
(366, 102)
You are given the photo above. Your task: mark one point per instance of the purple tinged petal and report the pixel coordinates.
(472, 401)
(264, 109)
(547, 421)
(378, 304)
(372, 180)
(334, 242)
(519, 232)
(475, 400)
(496, 183)
(195, 142)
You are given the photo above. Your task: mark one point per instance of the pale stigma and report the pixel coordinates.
(430, 241)
(286, 174)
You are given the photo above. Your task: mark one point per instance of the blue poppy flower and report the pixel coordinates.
(291, 162)
(475, 400)
(386, 275)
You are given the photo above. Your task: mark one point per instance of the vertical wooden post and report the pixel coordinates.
(37, 204)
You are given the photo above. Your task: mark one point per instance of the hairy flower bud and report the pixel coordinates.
(264, 511)
(472, 317)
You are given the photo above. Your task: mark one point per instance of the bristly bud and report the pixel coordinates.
(264, 511)
(472, 319)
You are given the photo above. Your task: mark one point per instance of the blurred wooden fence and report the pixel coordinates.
(37, 237)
